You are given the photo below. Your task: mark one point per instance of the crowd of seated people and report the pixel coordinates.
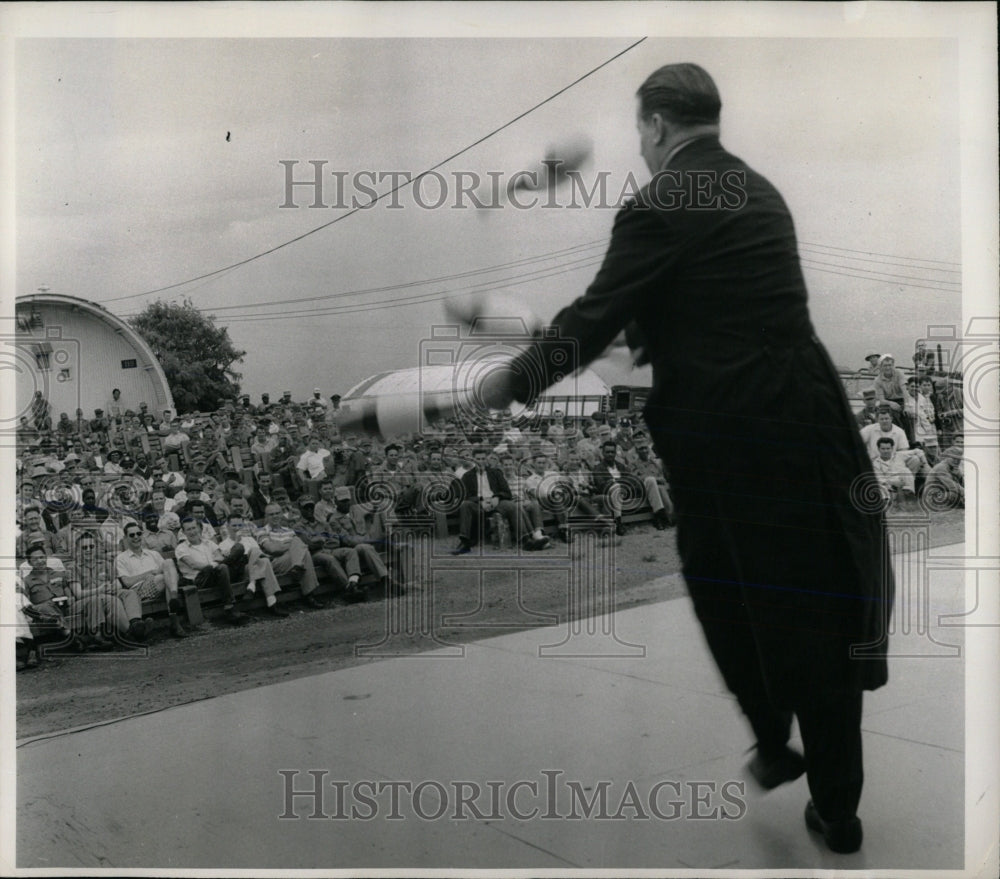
(272, 492)
(912, 428)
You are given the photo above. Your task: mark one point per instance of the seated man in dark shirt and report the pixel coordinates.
(610, 477)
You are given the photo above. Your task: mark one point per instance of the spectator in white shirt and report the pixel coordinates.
(146, 573)
(894, 477)
(204, 563)
(312, 463)
(885, 429)
(259, 568)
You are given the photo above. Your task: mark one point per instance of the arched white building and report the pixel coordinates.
(76, 352)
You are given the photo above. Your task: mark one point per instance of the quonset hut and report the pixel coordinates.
(76, 352)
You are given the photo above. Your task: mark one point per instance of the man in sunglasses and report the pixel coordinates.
(145, 572)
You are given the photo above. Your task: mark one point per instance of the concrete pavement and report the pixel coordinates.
(509, 747)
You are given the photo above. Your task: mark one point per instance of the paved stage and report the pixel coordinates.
(200, 785)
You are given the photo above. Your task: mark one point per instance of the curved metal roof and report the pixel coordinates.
(150, 363)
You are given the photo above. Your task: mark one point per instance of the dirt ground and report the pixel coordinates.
(77, 691)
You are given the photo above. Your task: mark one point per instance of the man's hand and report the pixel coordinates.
(494, 388)
(490, 503)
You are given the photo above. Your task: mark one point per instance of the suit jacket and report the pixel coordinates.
(498, 483)
(749, 416)
(257, 503)
(601, 477)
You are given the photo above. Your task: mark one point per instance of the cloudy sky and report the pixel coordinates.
(144, 163)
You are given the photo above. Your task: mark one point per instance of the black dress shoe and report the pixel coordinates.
(463, 548)
(842, 837)
(235, 618)
(277, 611)
(312, 603)
(771, 771)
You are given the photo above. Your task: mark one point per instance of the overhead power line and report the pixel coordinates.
(876, 253)
(890, 275)
(600, 242)
(388, 192)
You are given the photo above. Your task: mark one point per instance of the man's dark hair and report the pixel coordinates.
(607, 443)
(885, 441)
(683, 93)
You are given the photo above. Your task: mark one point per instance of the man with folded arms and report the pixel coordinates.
(335, 561)
(259, 567)
(204, 563)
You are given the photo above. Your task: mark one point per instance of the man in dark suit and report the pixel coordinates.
(787, 572)
(485, 490)
(261, 496)
(610, 477)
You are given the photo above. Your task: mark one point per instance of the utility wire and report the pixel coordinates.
(395, 189)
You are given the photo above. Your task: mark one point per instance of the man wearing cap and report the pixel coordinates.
(341, 562)
(35, 530)
(317, 399)
(342, 525)
(869, 413)
(749, 416)
(64, 427)
(112, 466)
(872, 367)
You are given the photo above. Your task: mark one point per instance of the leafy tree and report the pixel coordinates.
(196, 355)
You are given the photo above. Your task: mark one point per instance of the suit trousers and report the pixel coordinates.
(468, 519)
